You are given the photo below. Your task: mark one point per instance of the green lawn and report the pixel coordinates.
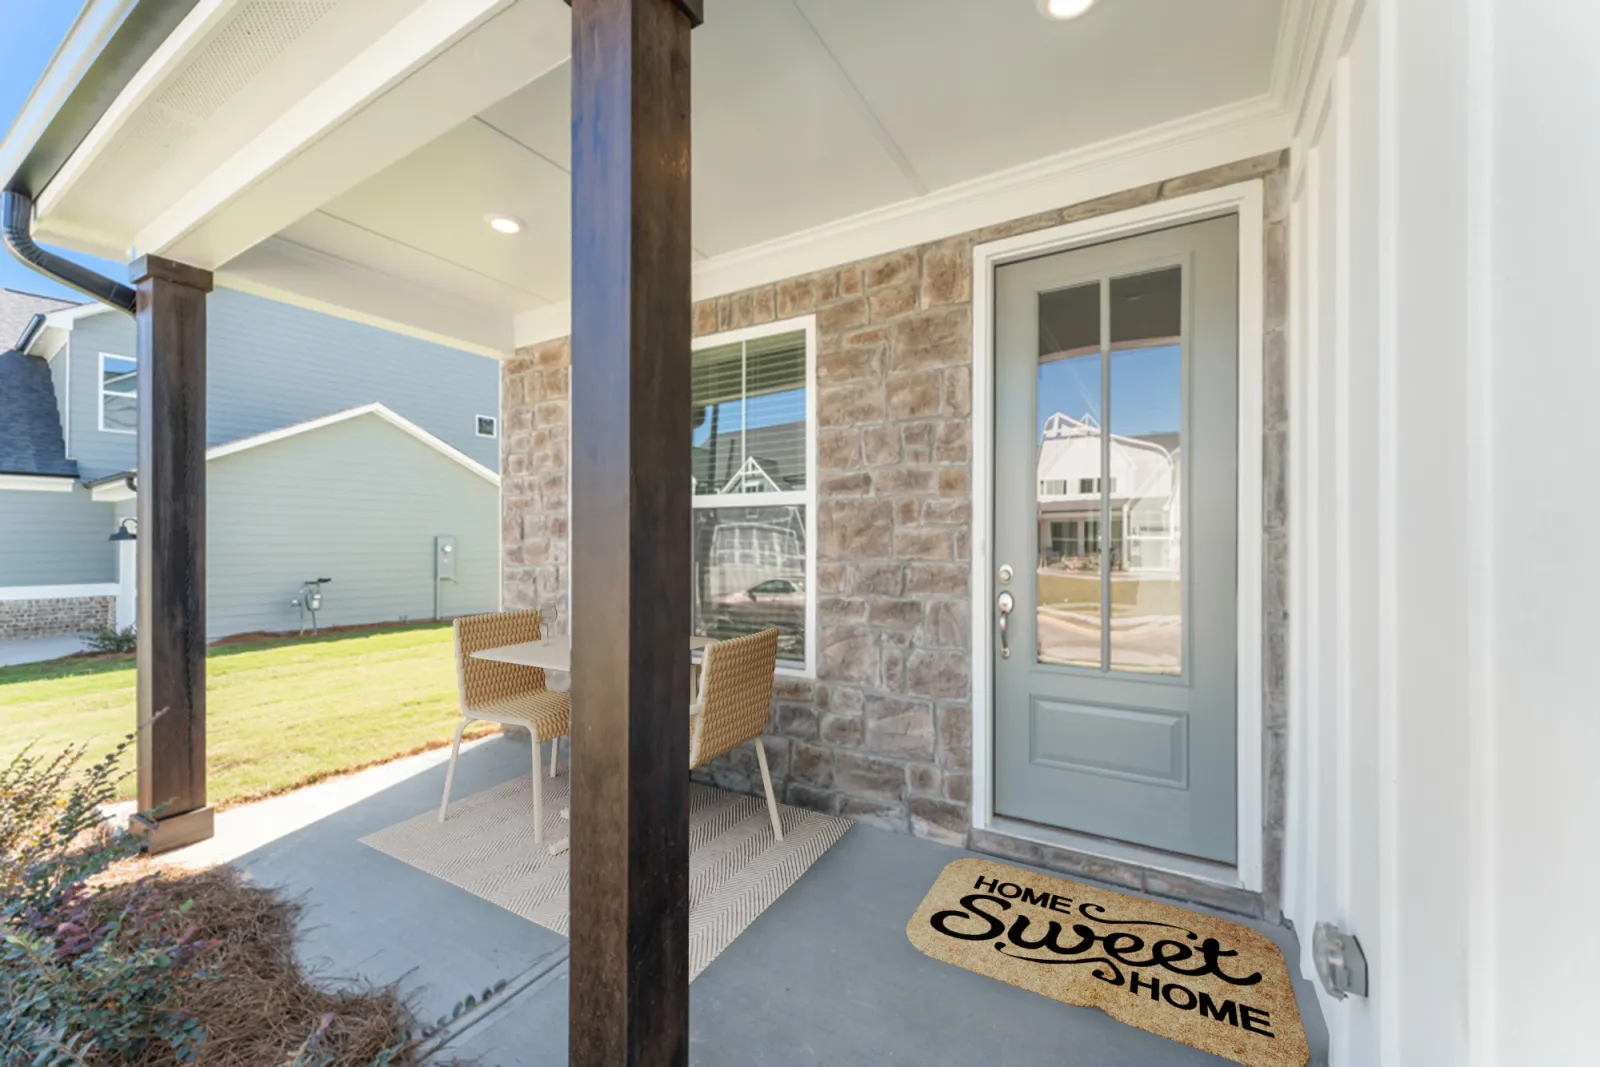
(280, 712)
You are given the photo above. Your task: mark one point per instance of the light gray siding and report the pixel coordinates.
(271, 365)
(360, 502)
(55, 539)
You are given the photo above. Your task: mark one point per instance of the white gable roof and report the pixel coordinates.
(244, 444)
(114, 487)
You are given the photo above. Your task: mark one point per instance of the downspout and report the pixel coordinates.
(16, 223)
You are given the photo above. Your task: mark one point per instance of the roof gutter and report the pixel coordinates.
(140, 31)
(16, 225)
(29, 332)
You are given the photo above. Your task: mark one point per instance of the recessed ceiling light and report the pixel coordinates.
(1064, 9)
(504, 223)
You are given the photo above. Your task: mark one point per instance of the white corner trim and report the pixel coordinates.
(37, 483)
(1197, 142)
(381, 411)
(1247, 200)
(57, 592)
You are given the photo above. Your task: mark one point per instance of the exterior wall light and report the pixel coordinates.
(127, 530)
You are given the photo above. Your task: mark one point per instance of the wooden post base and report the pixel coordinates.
(176, 831)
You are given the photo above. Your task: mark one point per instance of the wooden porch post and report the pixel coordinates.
(171, 324)
(631, 325)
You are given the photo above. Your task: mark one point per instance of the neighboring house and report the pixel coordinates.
(337, 450)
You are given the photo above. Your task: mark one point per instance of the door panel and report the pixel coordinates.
(1116, 463)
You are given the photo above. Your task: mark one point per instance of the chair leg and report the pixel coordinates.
(450, 775)
(538, 790)
(766, 782)
(555, 750)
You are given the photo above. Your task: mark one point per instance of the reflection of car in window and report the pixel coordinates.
(779, 602)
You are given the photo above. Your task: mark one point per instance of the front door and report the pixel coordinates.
(1116, 490)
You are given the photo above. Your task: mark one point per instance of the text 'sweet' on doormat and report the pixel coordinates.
(1219, 986)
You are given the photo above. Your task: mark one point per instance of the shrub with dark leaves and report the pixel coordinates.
(88, 975)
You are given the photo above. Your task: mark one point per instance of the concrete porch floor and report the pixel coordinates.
(824, 976)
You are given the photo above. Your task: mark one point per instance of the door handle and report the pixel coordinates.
(1003, 606)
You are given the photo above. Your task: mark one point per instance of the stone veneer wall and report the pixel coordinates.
(884, 732)
(56, 617)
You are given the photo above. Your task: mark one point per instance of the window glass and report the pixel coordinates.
(750, 573)
(749, 439)
(119, 394)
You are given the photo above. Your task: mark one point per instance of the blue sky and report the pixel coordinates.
(31, 30)
(1146, 394)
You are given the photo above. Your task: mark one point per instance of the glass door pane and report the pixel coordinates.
(1067, 498)
(1145, 488)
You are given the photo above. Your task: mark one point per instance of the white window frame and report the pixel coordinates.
(477, 425)
(100, 393)
(806, 497)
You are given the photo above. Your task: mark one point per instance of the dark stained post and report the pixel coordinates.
(631, 327)
(171, 320)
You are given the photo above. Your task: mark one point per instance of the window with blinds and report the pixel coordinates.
(750, 450)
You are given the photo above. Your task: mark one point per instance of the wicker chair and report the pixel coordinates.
(508, 694)
(735, 704)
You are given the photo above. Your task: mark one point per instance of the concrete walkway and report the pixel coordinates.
(38, 649)
(824, 976)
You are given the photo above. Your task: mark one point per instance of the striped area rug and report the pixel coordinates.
(736, 867)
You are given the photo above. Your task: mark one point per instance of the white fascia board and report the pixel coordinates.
(90, 31)
(118, 490)
(112, 492)
(358, 276)
(1210, 139)
(37, 483)
(57, 592)
(67, 318)
(382, 412)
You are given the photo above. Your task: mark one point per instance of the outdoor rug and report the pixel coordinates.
(736, 867)
(1207, 982)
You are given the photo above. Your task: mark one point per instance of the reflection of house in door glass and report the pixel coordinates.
(1143, 545)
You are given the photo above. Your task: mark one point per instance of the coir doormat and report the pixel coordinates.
(1207, 982)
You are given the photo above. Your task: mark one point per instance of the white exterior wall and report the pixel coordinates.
(1442, 802)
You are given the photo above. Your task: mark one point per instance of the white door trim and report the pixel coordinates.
(1247, 200)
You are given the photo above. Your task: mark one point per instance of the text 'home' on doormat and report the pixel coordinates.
(1214, 984)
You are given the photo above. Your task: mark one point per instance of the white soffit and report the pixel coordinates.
(824, 130)
(227, 70)
(967, 89)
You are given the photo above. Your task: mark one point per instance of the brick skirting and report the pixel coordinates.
(56, 617)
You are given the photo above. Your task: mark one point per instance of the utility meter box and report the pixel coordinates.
(444, 558)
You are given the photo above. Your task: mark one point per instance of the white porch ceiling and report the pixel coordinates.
(806, 112)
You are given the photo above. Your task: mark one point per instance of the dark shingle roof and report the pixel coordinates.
(17, 308)
(30, 423)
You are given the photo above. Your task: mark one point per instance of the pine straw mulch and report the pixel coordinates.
(257, 1004)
